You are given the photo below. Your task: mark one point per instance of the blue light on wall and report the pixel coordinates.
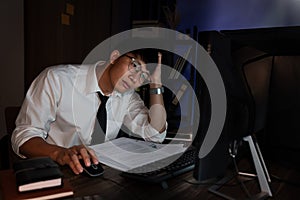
(237, 14)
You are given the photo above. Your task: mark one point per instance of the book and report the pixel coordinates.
(37, 173)
(9, 191)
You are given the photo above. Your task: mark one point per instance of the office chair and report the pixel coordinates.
(11, 114)
(247, 87)
(256, 75)
(6, 153)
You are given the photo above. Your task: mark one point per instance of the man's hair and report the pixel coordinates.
(146, 54)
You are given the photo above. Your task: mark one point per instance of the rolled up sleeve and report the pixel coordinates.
(136, 119)
(37, 111)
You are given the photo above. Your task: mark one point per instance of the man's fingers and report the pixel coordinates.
(94, 158)
(88, 155)
(72, 155)
(74, 163)
(159, 57)
(85, 156)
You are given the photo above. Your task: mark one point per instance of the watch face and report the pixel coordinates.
(157, 90)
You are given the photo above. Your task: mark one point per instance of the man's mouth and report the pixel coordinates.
(125, 85)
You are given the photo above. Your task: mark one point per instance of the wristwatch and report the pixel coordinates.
(159, 90)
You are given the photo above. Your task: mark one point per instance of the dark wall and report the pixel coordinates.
(284, 110)
(49, 40)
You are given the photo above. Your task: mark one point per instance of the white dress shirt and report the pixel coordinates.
(61, 107)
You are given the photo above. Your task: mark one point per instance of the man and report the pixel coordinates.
(58, 114)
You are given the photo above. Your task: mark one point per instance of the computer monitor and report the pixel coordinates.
(182, 97)
(215, 163)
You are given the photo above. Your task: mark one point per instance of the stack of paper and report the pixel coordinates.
(127, 154)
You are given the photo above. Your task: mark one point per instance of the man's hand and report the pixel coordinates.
(36, 147)
(72, 155)
(156, 75)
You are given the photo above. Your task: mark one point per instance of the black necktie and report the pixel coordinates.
(101, 115)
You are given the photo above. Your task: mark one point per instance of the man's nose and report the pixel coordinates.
(133, 77)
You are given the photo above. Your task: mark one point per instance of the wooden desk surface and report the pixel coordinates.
(113, 186)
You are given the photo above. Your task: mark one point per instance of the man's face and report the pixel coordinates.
(128, 72)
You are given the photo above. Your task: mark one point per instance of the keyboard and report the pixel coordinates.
(183, 164)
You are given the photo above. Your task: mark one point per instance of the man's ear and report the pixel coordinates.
(114, 55)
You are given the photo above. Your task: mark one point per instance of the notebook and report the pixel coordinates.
(9, 189)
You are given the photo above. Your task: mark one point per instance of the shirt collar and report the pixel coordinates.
(91, 78)
(118, 94)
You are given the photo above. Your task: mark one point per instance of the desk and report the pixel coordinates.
(113, 186)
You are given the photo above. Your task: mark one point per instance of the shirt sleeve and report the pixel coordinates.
(38, 110)
(136, 120)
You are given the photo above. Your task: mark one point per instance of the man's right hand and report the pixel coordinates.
(72, 155)
(36, 147)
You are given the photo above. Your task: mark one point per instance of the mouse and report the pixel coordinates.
(93, 170)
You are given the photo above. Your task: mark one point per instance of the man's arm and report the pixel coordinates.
(33, 124)
(157, 112)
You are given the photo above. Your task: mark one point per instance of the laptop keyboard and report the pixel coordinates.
(183, 164)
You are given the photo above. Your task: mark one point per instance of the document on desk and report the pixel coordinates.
(127, 154)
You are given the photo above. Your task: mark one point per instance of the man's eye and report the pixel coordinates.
(135, 65)
(145, 76)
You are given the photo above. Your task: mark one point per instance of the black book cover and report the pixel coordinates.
(9, 192)
(37, 173)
